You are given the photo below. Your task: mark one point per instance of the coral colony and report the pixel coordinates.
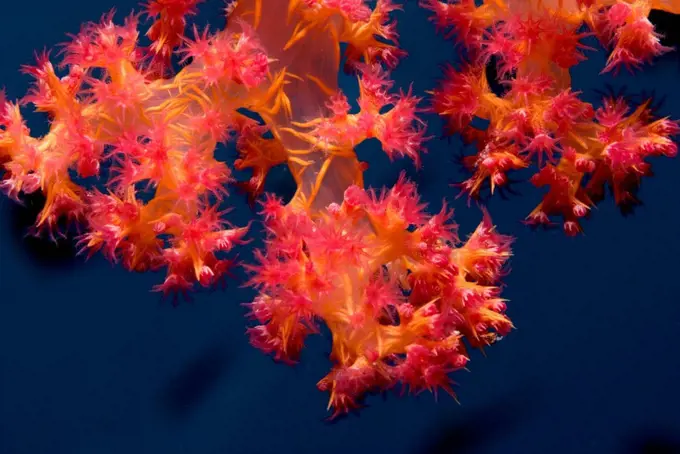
(400, 292)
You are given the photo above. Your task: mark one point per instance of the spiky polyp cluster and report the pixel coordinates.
(394, 285)
(329, 141)
(577, 150)
(159, 134)
(539, 120)
(118, 102)
(304, 37)
(545, 33)
(167, 31)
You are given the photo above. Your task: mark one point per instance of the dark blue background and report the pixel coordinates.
(92, 363)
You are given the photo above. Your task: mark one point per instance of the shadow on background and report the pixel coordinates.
(652, 441)
(668, 25)
(41, 250)
(191, 386)
(474, 430)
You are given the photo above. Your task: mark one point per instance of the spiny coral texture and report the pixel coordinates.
(112, 101)
(539, 121)
(118, 113)
(395, 286)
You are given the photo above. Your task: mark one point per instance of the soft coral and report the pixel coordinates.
(389, 283)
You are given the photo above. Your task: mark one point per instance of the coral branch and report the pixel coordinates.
(394, 286)
(539, 121)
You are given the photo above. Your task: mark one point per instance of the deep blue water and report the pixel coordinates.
(91, 362)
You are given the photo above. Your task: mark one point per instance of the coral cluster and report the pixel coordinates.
(400, 293)
(119, 103)
(394, 286)
(575, 149)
